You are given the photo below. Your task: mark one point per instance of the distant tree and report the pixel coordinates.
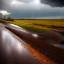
(1, 16)
(4, 17)
(9, 19)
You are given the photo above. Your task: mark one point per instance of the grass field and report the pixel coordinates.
(40, 25)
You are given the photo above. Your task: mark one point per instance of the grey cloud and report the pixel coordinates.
(26, 1)
(5, 5)
(37, 13)
(54, 3)
(0, 4)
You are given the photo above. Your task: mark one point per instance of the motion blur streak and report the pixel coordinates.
(15, 44)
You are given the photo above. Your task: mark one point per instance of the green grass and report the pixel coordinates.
(34, 28)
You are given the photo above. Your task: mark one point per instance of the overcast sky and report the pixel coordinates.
(32, 8)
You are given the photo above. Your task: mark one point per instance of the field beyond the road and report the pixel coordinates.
(40, 25)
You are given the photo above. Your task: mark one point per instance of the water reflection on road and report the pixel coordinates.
(13, 50)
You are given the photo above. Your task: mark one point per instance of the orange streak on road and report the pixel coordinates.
(40, 57)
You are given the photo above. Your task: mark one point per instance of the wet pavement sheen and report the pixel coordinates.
(12, 49)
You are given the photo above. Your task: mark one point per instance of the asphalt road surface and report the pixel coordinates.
(51, 44)
(13, 50)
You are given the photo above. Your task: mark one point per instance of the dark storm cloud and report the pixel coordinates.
(32, 9)
(54, 3)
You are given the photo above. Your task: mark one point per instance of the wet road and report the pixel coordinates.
(13, 49)
(50, 43)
